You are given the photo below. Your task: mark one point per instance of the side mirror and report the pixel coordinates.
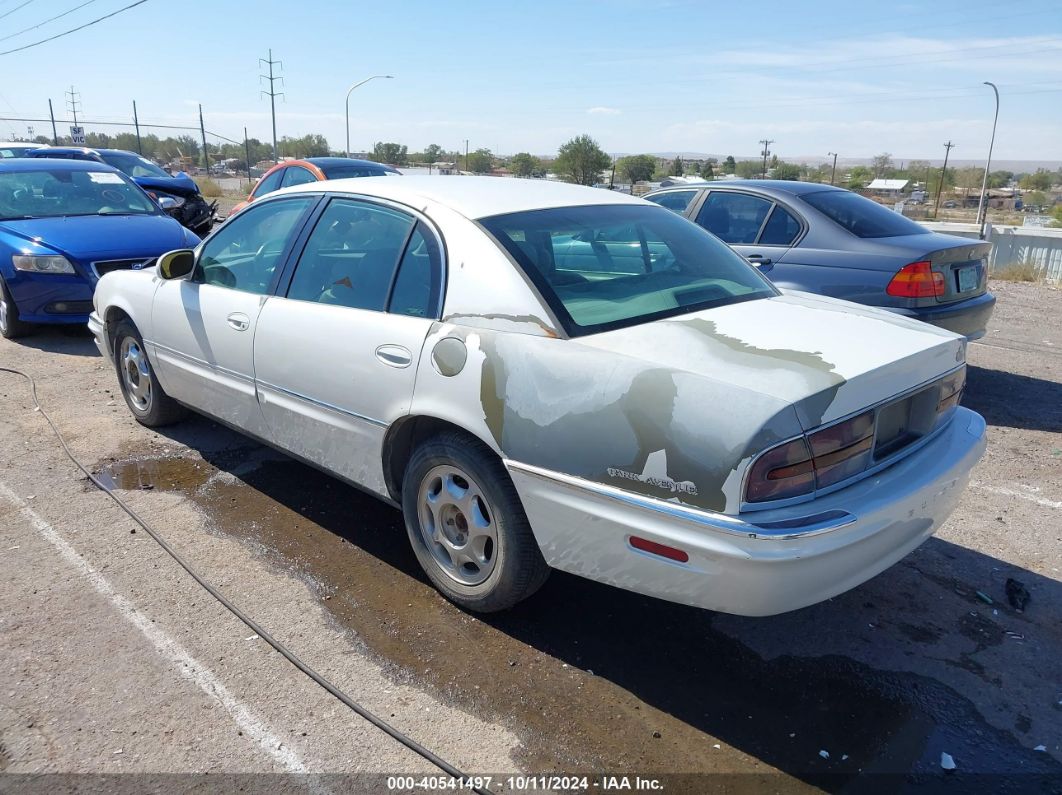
(176, 264)
(167, 203)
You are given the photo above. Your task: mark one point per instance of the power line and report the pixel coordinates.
(16, 8)
(72, 30)
(42, 24)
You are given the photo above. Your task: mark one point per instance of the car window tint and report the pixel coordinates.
(734, 218)
(244, 253)
(781, 228)
(861, 216)
(351, 255)
(416, 290)
(269, 183)
(677, 200)
(296, 175)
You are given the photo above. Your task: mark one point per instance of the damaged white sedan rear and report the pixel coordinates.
(543, 376)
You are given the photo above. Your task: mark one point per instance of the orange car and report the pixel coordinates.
(314, 169)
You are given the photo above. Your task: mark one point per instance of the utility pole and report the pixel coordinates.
(272, 93)
(202, 132)
(943, 171)
(55, 134)
(466, 154)
(833, 173)
(766, 143)
(247, 154)
(136, 123)
(73, 102)
(982, 206)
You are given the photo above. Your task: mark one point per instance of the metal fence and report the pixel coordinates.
(1015, 245)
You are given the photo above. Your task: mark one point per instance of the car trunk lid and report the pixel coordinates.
(825, 357)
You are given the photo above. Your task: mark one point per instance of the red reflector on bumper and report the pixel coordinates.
(645, 545)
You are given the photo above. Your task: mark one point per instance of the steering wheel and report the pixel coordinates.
(220, 275)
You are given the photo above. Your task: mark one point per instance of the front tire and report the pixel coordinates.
(467, 527)
(141, 389)
(11, 327)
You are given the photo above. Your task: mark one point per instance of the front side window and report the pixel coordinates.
(675, 200)
(48, 193)
(351, 255)
(244, 253)
(268, 183)
(734, 218)
(296, 175)
(861, 216)
(604, 267)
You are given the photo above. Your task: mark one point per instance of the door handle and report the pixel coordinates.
(759, 259)
(394, 356)
(239, 321)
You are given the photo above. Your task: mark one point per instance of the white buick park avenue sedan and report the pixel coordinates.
(547, 376)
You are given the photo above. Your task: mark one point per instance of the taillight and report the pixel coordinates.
(951, 390)
(917, 280)
(821, 459)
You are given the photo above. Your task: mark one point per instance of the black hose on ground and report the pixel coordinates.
(259, 630)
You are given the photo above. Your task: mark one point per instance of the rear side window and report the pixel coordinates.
(296, 175)
(781, 228)
(860, 216)
(416, 290)
(350, 256)
(345, 172)
(269, 183)
(676, 200)
(734, 218)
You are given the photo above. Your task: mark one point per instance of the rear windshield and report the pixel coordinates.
(47, 193)
(135, 165)
(605, 267)
(861, 216)
(343, 172)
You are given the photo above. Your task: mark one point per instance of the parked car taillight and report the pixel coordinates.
(951, 390)
(917, 280)
(814, 462)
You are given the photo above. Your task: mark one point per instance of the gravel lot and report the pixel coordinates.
(112, 660)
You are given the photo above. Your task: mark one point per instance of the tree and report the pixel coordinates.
(1057, 215)
(749, 169)
(480, 162)
(859, 177)
(707, 170)
(581, 161)
(388, 152)
(882, 164)
(636, 168)
(431, 153)
(523, 164)
(729, 166)
(786, 171)
(969, 179)
(677, 168)
(1034, 198)
(999, 179)
(1041, 180)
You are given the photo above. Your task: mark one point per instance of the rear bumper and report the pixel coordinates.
(968, 318)
(759, 564)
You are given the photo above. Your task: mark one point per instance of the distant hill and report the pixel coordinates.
(1017, 166)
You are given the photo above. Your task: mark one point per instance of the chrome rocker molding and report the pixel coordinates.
(797, 527)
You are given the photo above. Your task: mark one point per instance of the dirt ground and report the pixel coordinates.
(113, 661)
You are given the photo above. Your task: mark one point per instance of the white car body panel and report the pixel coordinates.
(647, 430)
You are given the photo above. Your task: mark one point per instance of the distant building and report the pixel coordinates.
(888, 187)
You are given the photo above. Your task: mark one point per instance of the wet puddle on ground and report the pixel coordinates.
(591, 678)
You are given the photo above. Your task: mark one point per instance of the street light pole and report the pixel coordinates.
(347, 104)
(982, 209)
(833, 173)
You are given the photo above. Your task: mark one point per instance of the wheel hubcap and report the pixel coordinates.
(457, 525)
(135, 374)
(3, 312)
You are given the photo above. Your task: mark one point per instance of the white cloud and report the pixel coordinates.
(603, 110)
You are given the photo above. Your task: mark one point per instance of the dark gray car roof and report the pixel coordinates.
(768, 185)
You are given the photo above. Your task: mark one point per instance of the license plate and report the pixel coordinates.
(969, 278)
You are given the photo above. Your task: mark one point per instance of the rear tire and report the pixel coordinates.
(467, 527)
(141, 389)
(11, 327)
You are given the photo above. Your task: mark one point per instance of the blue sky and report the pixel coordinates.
(856, 78)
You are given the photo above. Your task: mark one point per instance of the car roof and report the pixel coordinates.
(472, 197)
(765, 185)
(332, 162)
(53, 164)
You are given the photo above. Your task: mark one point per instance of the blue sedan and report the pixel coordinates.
(63, 224)
(825, 240)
